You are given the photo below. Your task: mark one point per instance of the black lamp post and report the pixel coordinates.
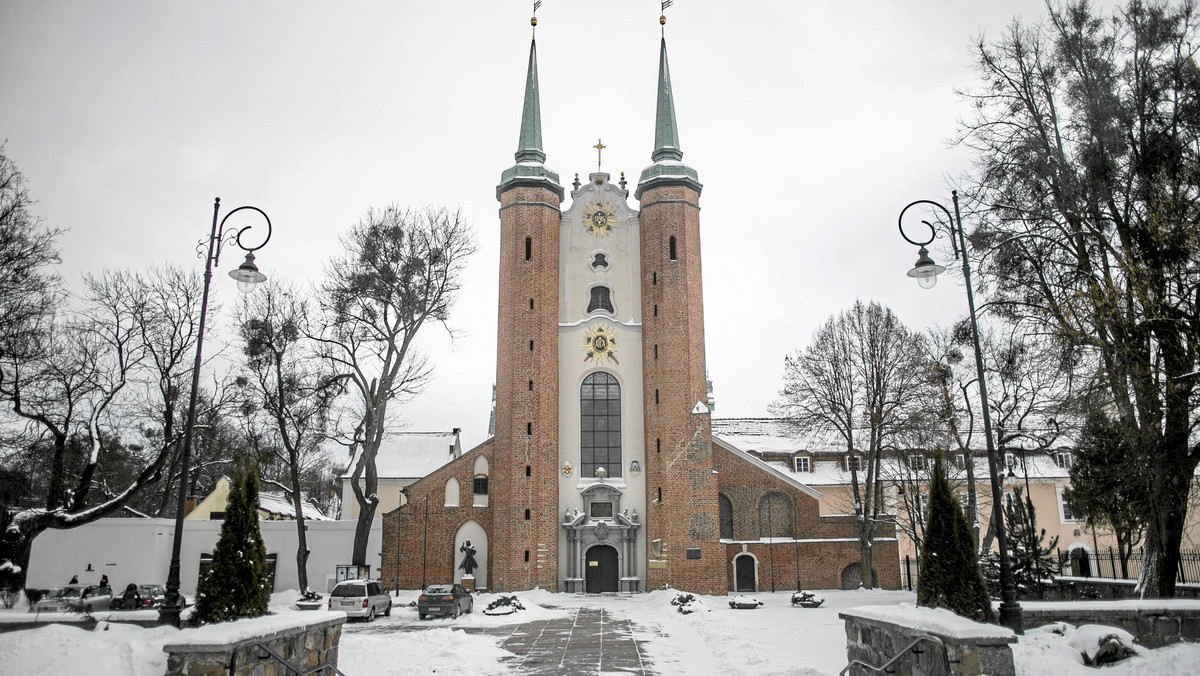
(926, 272)
(247, 276)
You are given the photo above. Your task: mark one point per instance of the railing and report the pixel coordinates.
(1108, 565)
(289, 669)
(886, 667)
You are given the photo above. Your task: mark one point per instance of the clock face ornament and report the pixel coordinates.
(599, 218)
(600, 345)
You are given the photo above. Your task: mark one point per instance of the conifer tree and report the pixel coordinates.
(1032, 562)
(236, 584)
(950, 576)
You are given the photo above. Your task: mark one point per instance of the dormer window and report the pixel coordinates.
(1063, 460)
(917, 462)
(600, 300)
(803, 464)
(853, 463)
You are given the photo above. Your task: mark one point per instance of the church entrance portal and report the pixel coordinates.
(601, 570)
(743, 567)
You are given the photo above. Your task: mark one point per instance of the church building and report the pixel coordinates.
(602, 474)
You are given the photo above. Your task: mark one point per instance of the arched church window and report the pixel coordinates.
(726, 517)
(775, 515)
(599, 260)
(479, 483)
(600, 425)
(601, 300)
(451, 492)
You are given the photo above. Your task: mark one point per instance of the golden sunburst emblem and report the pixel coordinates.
(600, 344)
(599, 218)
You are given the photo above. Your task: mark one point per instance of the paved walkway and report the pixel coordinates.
(591, 641)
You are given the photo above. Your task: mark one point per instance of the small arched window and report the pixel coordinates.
(451, 492)
(599, 261)
(601, 300)
(528, 248)
(479, 483)
(726, 517)
(674, 253)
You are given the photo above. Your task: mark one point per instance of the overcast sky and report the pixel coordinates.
(811, 125)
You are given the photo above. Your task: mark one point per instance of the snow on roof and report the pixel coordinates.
(278, 503)
(412, 455)
(776, 435)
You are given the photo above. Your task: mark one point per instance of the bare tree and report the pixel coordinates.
(864, 376)
(71, 389)
(291, 393)
(401, 269)
(1087, 145)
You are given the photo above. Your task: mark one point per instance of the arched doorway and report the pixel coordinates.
(743, 574)
(1081, 564)
(601, 567)
(852, 576)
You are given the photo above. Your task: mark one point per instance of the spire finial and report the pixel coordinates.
(599, 150)
(662, 18)
(533, 19)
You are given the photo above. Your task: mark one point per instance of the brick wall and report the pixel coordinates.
(678, 444)
(821, 547)
(418, 538)
(527, 420)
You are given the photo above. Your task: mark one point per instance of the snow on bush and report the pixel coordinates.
(1100, 645)
(687, 604)
(504, 605)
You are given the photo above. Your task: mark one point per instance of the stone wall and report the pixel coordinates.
(876, 634)
(1154, 622)
(304, 640)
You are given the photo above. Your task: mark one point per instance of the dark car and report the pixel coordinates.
(444, 599)
(142, 596)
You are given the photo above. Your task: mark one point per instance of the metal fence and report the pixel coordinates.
(1082, 563)
(1107, 564)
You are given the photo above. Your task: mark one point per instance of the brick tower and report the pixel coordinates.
(523, 477)
(681, 521)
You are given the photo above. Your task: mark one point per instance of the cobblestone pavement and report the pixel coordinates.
(587, 641)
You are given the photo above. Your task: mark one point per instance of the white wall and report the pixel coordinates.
(139, 550)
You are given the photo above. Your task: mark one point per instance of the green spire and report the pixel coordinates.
(666, 132)
(668, 167)
(529, 147)
(530, 169)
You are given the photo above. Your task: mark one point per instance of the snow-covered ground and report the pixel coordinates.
(775, 638)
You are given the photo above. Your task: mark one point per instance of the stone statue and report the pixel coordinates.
(468, 564)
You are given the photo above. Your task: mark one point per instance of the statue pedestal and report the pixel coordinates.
(468, 581)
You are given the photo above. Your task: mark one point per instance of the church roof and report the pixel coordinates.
(412, 455)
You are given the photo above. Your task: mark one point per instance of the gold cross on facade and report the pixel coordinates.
(599, 149)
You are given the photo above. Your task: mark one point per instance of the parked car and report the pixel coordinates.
(361, 598)
(147, 596)
(444, 599)
(74, 598)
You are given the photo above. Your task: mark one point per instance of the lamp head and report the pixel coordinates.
(247, 274)
(925, 271)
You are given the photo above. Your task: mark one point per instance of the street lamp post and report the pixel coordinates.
(926, 272)
(247, 276)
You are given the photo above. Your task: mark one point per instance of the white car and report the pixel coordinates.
(74, 598)
(361, 598)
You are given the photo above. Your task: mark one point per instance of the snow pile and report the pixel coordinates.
(938, 621)
(441, 651)
(1062, 650)
(1103, 645)
(109, 650)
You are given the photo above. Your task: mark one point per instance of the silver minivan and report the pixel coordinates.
(361, 598)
